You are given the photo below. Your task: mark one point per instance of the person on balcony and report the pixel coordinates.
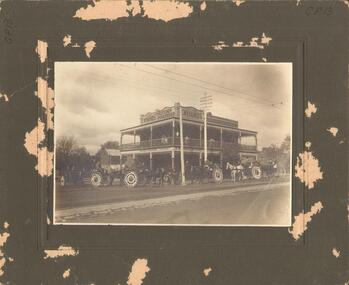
(211, 141)
(164, 139)
(186, 140)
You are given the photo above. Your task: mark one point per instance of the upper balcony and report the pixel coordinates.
(167, 134)
(187, 142)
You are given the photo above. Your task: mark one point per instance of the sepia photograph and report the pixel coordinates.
(173, 143)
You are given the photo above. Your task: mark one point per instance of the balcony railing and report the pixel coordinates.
(244, 147)
(188, 143)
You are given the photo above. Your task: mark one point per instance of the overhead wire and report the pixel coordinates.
(202, 87)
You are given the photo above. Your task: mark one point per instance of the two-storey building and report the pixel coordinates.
(157, 139)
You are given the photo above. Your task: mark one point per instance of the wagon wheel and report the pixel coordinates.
(167, 178)
(217, 174)
(131, 179)
(96, 179)
(256, 172)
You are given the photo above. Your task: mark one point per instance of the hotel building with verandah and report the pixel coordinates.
(156, 141)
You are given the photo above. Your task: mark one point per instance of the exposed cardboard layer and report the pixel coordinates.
(255, 42)
(220, 45)
(61, 251)
(34, 138)
(238, 2)
(89, 46)
(66, 273)
(336, 253)
(166, 10)
(311, 109)
(3, 239)
(42, 50)
(45, 162)
(333, 131)
(67, 40)
(307, 168)
(113, 10)
(107, 10)
(302, 220)
(138, 272)
(46, 96)
(5, 97)
(207, 271)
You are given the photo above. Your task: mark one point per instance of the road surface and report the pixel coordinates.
(262, 203)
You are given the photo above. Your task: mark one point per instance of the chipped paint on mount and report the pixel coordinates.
(5, 97)
(46, 96)
(89, 46)
(302, 220)
(3, 240)
(60, 252)
(207, 271)
(255, 42)
(113, 10)
(138, 272)
(336, 253)
(67, 40)
(333, 131)
(41, 50)
(311, 109)
(238, 2)
(34, 138)
(307, 168)
(66, 273)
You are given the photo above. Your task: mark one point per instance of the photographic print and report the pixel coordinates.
(150, 143)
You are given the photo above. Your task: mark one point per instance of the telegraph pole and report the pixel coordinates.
(182, 144)
(206, 104)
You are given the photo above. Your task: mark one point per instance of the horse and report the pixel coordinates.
(157, 176)
(236, 171)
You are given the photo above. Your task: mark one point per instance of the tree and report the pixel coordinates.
(286, 144)
(111, 145)
(280, 154)
(108, 145)
(66, 145)
(70, 155)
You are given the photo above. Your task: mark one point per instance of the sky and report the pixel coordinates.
(95, 100)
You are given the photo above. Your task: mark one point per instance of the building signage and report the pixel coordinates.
(188, 113)
(158, 115)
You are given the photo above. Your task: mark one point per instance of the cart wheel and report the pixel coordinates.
(131, 179)
(96, 179)
(217, 175)
(256, 172)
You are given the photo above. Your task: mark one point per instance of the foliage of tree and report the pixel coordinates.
(279, 154)
(69, 155)
(107, 145)
(111, 145)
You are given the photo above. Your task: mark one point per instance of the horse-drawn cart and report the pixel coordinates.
(251, 170)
